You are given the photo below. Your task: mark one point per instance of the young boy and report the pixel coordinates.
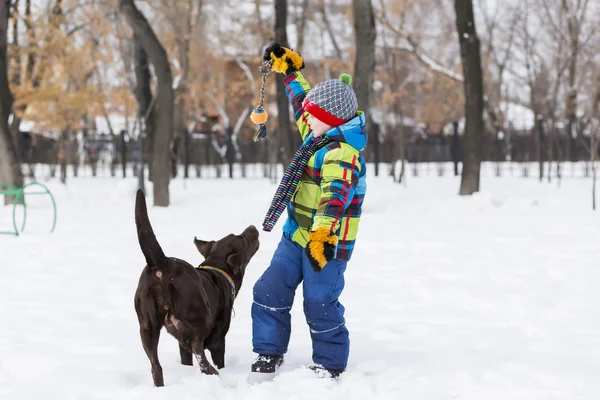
(322, 224)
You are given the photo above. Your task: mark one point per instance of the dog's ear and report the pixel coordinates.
(234, 261)
(203, 246)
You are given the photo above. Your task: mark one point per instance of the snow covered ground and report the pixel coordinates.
(493, 296)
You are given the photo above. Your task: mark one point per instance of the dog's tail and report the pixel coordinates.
(152, 251)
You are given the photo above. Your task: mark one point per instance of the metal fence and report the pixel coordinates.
(118, 151)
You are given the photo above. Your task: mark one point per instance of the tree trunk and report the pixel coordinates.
(62, 154)
(180, 117)
(455, 147)
(328, 28)
(364, 64)
(17, 78)
(594, 145)
(124, 152)
(37, 62)
(571, 109)
(230, 151)
(287, 138)
(179, 130)
(302, 26)
(540, 139)
(473, 88)
(263, 35)
(400, 145)
(10, 165)
(16, 53)
(6, 98)
(377, 149)
(571, 100)
(541, 143)
(143, 95)
(164, 125)
(186, 154)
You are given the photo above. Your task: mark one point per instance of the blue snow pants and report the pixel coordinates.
(273, 298)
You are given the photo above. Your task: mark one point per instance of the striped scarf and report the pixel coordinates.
(289, 181)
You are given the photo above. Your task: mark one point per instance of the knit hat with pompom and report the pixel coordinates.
(333, 101)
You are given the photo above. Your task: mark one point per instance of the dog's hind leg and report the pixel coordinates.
(150, 337)
(217, 352)
(186, 356)
(205, 365)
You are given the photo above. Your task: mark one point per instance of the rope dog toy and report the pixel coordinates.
(259, 116)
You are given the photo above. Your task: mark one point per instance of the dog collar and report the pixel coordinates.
(225, 274)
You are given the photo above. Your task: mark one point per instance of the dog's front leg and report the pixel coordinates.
(150, 336)
(186, 356)
(205, 366)
(217, 352)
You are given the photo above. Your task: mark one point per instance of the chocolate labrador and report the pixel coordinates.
(193, 304)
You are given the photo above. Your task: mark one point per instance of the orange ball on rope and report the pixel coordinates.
(259, 116)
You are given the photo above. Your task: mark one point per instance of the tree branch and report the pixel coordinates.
(220, 109)
(338, 52)
(302, 27)
(555, 27)
(411, 47)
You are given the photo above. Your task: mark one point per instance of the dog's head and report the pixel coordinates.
(232, 251)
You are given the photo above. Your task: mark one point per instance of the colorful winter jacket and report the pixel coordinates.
(333, 185)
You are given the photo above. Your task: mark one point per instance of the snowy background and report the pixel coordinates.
(493, 296)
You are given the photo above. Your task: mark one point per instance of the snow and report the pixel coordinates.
(492, 296)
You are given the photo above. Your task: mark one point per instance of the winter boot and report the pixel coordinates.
(267, 364)
(323, 372)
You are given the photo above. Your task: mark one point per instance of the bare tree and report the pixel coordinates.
(230, 150)
(146, 104)
(499, 45)
(534, 74)
(573, 13)
(398, 78)
(545, 79)
(16, 56)
(10, 166)
(473, 87)
(595, 138)
(573, 28)
(301, 25)
(498, 52)
(165, 98)
(184, 17)
(329, 28)
(259, 25)
(364, 64)
(285, 137)
(37, 59)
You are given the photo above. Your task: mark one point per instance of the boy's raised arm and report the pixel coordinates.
(296, 89)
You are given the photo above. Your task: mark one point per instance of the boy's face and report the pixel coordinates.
(317, 126)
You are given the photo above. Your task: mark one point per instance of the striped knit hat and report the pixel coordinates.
(333, 101)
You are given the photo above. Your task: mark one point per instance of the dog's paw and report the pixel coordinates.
(209, 370)
(157, 377)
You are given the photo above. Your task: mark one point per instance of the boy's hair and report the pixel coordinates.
(333, 101)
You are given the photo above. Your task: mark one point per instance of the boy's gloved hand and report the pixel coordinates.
(284, 60)
(320, 248)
